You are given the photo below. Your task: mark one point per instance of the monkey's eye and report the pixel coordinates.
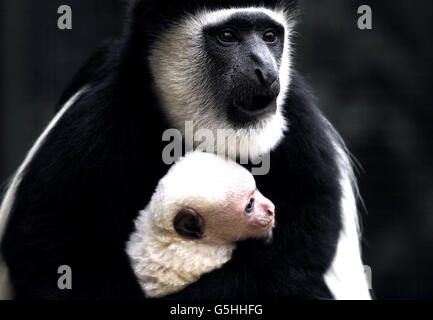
(227, 37)
(270, 36)
(250, 205)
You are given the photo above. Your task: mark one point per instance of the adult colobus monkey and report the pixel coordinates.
(222, 64)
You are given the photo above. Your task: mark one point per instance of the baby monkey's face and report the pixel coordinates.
(243, 214)
(248, 215)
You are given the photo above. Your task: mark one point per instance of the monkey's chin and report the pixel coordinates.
(267, 236)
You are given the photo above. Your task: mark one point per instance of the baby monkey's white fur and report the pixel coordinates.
(164, 261)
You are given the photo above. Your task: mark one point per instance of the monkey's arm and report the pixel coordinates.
(76, 202)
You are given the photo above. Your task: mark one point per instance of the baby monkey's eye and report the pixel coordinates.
(250, 205)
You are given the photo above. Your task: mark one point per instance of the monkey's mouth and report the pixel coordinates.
(265, 223)
(256, 105)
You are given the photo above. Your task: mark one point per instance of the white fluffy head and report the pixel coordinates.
(203, 181)
(178, 64)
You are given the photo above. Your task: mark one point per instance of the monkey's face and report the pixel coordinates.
(243, 215)
(228, 211)
(254, 219)
(209, 198)
(226, 69)
(244, 56)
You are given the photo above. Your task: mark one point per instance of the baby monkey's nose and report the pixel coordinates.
(270, 212)
(266, 205)
(269, 208)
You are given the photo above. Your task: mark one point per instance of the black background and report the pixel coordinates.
(374, 85)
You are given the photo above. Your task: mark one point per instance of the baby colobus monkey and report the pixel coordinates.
(200, 208)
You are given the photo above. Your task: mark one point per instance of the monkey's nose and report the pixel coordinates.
(269, 208)
(270, 212)
(266, 77)
(266, 206)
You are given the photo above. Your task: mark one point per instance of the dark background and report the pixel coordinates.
(374, 86)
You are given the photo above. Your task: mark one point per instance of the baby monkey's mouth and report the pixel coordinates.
(265, 223)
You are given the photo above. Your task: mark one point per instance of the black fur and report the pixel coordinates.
(100, 164)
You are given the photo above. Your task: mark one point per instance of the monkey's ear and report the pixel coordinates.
(189, 223)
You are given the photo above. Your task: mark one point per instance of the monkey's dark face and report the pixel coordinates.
(244, 53)
(226, 69)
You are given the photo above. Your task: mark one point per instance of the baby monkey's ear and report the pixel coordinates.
(189, 223)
